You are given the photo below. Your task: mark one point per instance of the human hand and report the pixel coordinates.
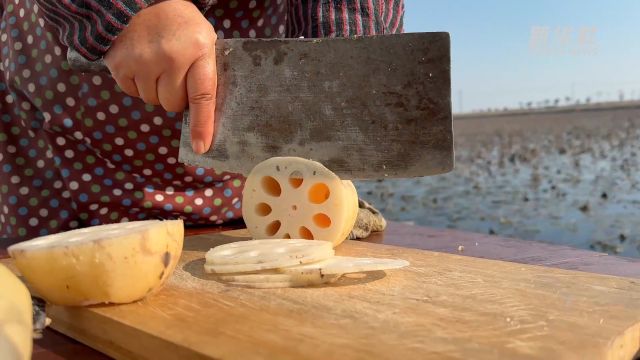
(166, 56)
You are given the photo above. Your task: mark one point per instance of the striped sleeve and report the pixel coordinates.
(341, 18)
(90, 26)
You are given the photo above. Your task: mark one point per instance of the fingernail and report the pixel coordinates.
(198, 146)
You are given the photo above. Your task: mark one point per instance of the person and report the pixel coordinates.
(78, 149)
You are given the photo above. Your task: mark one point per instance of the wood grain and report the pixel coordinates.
(443, 306)
(506, 249)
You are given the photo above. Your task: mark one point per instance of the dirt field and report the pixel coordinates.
(567, 177)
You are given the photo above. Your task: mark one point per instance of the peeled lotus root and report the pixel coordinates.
(288, 197)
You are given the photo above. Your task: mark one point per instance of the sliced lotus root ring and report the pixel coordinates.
(289, 197)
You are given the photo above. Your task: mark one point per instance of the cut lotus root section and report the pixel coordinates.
(268, 250)
(16, 317)
(275, 263)
(344, 265)
(279, 263)
(114, 263)
(289, 197)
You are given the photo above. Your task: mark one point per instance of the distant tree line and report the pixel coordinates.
(558, 102)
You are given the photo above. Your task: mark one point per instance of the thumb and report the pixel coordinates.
(201, 91)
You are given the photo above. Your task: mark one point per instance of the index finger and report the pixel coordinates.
(201, 90)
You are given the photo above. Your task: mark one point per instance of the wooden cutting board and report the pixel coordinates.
(443, 306)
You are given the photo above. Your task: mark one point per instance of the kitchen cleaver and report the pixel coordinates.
(365, 107)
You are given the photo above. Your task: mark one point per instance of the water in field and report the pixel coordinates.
(576, 186)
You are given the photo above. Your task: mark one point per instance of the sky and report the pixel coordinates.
(506, 53)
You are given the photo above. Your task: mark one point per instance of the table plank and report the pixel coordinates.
(506, 249)
(57, 346)
(442, 305)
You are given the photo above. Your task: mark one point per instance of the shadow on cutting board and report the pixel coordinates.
(196, 269)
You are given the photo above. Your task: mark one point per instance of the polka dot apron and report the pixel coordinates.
(75, 151)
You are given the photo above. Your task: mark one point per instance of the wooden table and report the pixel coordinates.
(57, 346)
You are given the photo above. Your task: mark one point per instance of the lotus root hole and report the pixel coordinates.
(271, 186)
(306, 233)
(273, 228)
(322, 220)
(263, 209)
(286, 236)
(295, 179)
(319, 193)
